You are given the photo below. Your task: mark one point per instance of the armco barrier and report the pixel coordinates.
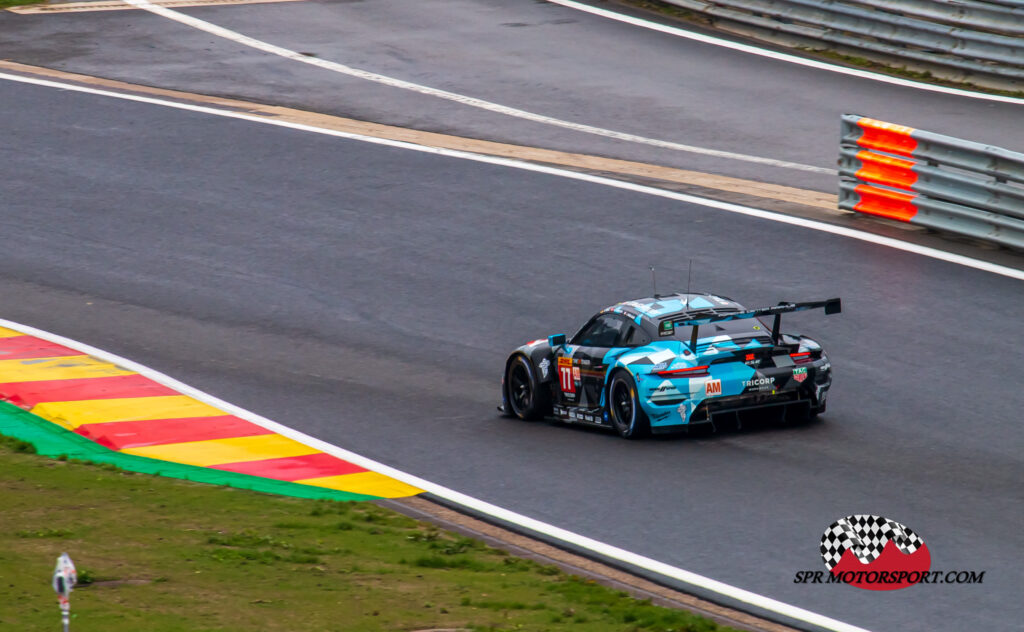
(971, 40)
(936, 181)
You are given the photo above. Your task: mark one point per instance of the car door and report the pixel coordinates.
(581, 367)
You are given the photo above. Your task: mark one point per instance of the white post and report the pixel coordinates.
(64, 578)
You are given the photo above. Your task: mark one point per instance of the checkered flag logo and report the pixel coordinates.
(867, 535)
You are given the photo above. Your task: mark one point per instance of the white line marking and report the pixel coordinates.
(889, 242)
(459, 498)
(459, 98)
(793, 59)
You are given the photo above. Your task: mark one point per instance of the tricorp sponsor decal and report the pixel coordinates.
(875, 553)
(713, 387)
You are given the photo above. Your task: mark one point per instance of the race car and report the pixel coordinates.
(672, 363)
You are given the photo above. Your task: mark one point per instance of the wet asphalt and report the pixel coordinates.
(368, 295)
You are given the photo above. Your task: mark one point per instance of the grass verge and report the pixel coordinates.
(17, 3)
(156, 553)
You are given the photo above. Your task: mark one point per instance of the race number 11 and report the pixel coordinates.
(565, 375)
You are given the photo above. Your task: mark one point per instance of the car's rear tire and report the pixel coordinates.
(624, 411)
(814, 411)
(527, 399)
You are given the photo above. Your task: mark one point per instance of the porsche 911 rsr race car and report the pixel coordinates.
(670, 364)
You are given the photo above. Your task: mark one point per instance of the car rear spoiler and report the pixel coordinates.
(832, 306)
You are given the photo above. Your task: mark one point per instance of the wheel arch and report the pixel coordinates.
(542, 395)
(642, 421)
(536, 354)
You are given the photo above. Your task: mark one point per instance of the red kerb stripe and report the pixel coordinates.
(28, 394)
(119, 435)
(294, 468)
(26, 347)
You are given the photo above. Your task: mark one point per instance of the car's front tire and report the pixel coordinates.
(527, 398)
(624, 411)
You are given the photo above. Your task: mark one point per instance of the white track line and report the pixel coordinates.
(234, 36)
(889, 242)
(793, 59)
(459, 498)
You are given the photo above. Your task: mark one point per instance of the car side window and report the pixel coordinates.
(635, 337)
(603, 332)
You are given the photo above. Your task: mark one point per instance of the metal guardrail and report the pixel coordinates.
(940, 182)
(973, 40)
(979, 16)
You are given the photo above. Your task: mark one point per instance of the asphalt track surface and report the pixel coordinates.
(368, 295)
(530, 55)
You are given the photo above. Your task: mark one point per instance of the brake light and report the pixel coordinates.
(802, 357)
(693, 371)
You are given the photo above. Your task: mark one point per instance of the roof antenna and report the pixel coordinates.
(654, 283)
(689, 271)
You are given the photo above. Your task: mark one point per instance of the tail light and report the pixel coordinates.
(805, 357)
(693, 371)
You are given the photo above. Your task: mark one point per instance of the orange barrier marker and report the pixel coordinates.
(885, 203)
(894, 172)
(887, 137)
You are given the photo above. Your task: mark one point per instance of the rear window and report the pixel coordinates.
(742, 328)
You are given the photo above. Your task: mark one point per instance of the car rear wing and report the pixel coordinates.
(695, 320)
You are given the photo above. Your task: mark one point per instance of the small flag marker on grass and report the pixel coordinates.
(64, 578)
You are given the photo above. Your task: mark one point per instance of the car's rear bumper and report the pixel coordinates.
(738, 411)
(733, 413)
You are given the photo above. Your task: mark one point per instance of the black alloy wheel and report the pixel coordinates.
(628, 419)
(527, 398)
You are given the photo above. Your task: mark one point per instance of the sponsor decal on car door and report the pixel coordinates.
(565, 376)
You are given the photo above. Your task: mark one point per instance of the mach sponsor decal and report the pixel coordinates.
(875, 553)
(544, 364)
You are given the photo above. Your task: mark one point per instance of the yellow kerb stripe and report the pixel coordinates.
(369, 483)
(99, 411)
(9, 333)
(67, 368)
(222, 451)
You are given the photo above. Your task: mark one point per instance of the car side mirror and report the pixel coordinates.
(558, 340)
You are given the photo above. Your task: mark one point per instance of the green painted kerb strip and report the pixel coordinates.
(54, 441)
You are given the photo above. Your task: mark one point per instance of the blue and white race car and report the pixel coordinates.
(672, 363)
